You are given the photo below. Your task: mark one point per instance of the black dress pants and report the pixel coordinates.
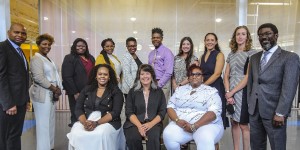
(72, 104)
(11, 127)
(134, 138)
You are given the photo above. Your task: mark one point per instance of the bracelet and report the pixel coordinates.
(193, 128)
(227, 91)
(176, 120)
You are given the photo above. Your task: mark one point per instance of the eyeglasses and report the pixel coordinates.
(131, 46)
(265, 34)
(197, 74)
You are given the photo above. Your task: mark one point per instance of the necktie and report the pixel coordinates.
(263, 61)
(20, 51)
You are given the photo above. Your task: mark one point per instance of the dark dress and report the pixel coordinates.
(208, 69)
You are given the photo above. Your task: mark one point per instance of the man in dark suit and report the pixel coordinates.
(14, 84)
(272, 84)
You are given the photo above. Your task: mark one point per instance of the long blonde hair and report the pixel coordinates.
(233, 44)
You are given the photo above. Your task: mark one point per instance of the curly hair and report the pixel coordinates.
(191, 52)
(158, 30)
(130, 39)
(93, 81)
(191, 68)
(103, 52)
(73, 47)
(217, 47)
(233, 44)
(44, 37)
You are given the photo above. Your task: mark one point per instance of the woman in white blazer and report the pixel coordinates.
(130, 64)
(45, 89)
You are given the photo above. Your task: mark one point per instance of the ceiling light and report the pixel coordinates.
(292, 51)
(139, 47)
(73, 31)
(218, 20)
(46, 18)
(133, 19)
(271, 4)
(135, 32)
(87, 38)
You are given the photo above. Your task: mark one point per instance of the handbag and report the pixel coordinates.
(230, 108)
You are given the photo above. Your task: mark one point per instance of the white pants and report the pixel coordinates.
(45, 124)
(103, 137)
(205, 137)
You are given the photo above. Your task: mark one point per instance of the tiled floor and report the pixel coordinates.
(62, 120)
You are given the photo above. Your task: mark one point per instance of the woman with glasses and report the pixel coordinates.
(130, 64)
(195, 110)
(212, 63)
(107, 57)
(235, 81)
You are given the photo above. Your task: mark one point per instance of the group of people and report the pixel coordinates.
(258, 88)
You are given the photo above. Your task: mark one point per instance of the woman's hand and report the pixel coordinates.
(76, 96)
(182, 123)
(142, 131)
(147, 126)
(230, 100)
(174, 86)
(229, 94)
(89, 125)
(187, 128)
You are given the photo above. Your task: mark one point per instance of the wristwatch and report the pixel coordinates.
(176, 120)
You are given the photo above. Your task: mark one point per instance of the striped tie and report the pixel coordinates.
(264, 61)
(20, 51)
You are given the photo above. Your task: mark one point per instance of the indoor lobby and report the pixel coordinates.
(95, 20)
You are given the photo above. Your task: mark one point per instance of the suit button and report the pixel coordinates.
(108, 105)
(84, 105)
(256, 94)
(258, 82)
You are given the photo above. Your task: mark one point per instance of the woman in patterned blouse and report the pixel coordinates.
(182, 61)
(195, 110)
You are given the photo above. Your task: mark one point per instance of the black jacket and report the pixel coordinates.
(135, 104)
(111, 102)
(14, 78)
(73, 74)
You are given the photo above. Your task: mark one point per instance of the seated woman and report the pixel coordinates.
(195, 110)
(98, 109)
(145, 109)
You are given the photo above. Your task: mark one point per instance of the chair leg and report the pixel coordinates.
(217, 147)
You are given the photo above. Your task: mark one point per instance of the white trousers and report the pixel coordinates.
(45, 124)
(205, 137)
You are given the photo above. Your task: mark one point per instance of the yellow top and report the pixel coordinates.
(100, 60)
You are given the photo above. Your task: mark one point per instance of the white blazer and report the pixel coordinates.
(129, 69)
(44, 73)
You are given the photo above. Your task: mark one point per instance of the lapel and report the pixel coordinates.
(272, 59)
(80, 62)
(18, 55)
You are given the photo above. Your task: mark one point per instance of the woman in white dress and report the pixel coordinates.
(44, 91)
(98, 110)
(195, 110)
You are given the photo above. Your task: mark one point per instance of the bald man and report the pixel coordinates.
(14, 84)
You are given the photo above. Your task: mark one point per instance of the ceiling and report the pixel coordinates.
(26, 12)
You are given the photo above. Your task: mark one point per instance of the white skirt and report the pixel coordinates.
(103, 137)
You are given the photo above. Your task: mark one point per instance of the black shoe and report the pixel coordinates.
(70, 125)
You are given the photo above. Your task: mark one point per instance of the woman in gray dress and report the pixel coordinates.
(235, 82)
(182, 61)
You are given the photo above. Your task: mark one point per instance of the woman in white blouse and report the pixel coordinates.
(130, 64)
(195, 110)
(44, 92)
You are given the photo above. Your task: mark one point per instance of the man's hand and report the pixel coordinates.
(28, 106)
(12, 110)
(278, 121)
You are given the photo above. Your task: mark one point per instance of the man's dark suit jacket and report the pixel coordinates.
(110, 102)
(14, 78)
(274, 87)
(135, 104)
(73, 74)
